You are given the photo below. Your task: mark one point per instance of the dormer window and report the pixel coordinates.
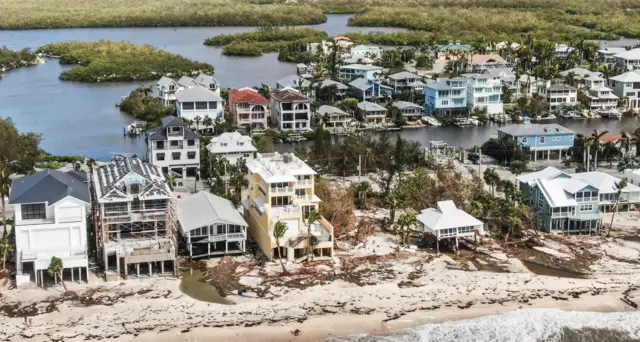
(33, 211)
(134, 188)
(172, 87)
(223, 144)
(212, 86)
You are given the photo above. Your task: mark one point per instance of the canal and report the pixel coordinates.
(81, 118)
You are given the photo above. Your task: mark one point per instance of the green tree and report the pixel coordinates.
(517, 167)
(609, 152)
(171, 180)
(5, 188)
(197, 120)
(492, 178)
(392, 201)
(6, 248)
(18, 151)
(628, 162)
(310, 221)
(514, 224)
(596, 136)
(55, 270)
(406, 221)
(279, 230)
(619, 188)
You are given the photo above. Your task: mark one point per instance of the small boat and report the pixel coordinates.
(295, 138)
(610, 113)
(431, 121)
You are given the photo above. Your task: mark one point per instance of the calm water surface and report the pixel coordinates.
(78, 118)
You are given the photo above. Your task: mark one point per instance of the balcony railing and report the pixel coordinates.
(70, 219)
(282, 189)
(304, 182)
(305, 197)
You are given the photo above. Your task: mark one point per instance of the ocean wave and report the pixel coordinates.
(530, 325)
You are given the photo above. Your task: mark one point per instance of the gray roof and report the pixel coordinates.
(370, 106)
(361, 83)
(165, 81)
(327, 83)
(439, 85)
(325, 109)
(535, 129)
(160, 133)
(186, 81)
(49, 186)
(403, 75)
(361, 67)
(204, 209)
(405, 104)
(231, 142)
(205, 80)
(559, 86)
(196, 94)
(293, 81)
(110, 180)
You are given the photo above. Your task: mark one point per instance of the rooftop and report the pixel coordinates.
(160, 133)
(110, 180)
(605, 183)
(405, 104)
(231, 142)
(370, 106)
(445, 216)
(196, 94)
(186, 81)
(328, 83)
(361, 67)
(288, 95)
(325, 109)
(560, 87)
(633, 54)
(205, 209)
(489, 58)
(205, 80)
(276, 167)
(247, 95)
(165, 81)
(629, 76)
(293, 81)
(49, 186)
(534, 129)
(403, 75)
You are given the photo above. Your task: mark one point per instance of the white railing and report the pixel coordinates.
(304, 182)
(282, 189)
(305, 197)
(223, 237)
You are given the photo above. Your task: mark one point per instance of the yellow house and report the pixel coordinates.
(281, 189)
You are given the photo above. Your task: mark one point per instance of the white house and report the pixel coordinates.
(627, 86)
(373, 112)
(601, 97)
(166, 89)
(632, 176)
(352, 71)
(562, 50)
(606, 54)
(174, 147)
(334, 117)
(232, 146)
(608, 192)
(628, 59)
(211, 225)
(410, 111)
(208, 82)
(559, 95)
(369, 51)
(448, 222)
(50, 220)
(198, 102)
(292, 81)
(405, 79)
(290, 110)
(484, 93)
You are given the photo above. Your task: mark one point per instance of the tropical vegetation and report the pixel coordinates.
(264, 39)
(108, 61)
(10, 59)
(55, 269)
(142, 105)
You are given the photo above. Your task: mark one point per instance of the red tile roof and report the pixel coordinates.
(288, 95)
(246, 95)
(613, 137)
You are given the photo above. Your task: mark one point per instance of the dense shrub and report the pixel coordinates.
(107, 61)
(265, 39)
(142, 105)
(10, 59)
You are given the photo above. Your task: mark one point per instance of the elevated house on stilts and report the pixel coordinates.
(448, 222)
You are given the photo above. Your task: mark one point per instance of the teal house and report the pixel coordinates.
(353, 71)
(543, 140)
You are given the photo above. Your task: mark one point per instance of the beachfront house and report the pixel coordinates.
(175, 148)
(248, 108)
(606, 186)
(446, 96)
(484, 93)
(324, 87)
(627, 86)
(281, 188)
(166, 90)
(606, 54)
(198, 103)
(581, 73)
(629, 60)
(186, 82)
(484, 62)
(290, 110)
(333, 117)
(452, 50)
(365, 51)
(410, 111)
(134, 219)
(448, 222)
(293, 82)
(353, 71)
(558, 95)
(373, 113)
(540, 139)
(211, 225)
(564, 204)
(232, 146)
(50, 220)
(632, 176)
(367, 90)
(405, 79)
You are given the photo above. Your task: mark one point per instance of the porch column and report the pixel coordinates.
(226, 247)
(559, 155)
(126, 269)
(80, 275)
(548, 155)
(72, 277)
(208, 248)
(36, 275)
(118, 263)
(535, 156)
(138, 270)
(162, 266)
(150, 270)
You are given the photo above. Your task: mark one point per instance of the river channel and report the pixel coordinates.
(80, 118)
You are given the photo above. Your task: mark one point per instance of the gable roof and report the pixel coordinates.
(160, 133)
(361, 83)
(110, 180)
(204, 209)
(186, 81)
(289, 95)
(555, 192)
(403, 75)
(581, 72)
(633, 54)
(231, 142)
(196, 94)
(605, 183)
(370, 106)
(293, 81)
(247, 95)
(628, 76)
(534, 129)
(165, 81)
(405, 104)
(326, 109)
(205, 80)
(612, 50)
(455, 46)
(328, 83)
(489, 58)
(365, 47)
(446, 215)
(548, 172)
(49, 186)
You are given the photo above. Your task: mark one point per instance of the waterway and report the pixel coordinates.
(81, 119)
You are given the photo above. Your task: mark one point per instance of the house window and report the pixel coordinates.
(586, 207)
(445, 102)
(213, 105)
(159, 156)
(201, 105)
(175, 156)
(187, 105)
(134, 189)
(191, 155)
(525, 140)
(174, 143)
(175, 129)
(280, 201)
(542, 140)
(160, 145)
(172, 87)
(33, 211)
(540, 199)
(571, 138)
(191, 142)
(301, 192)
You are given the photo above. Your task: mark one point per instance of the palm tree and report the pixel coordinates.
(392, 201)
(597, 135)
(407, 220)
(207, 121)
(55, 270)
(311, 219)
(628, 162)
(90, 164)
(197, 120)
(625, 142)
(517, 167)
(492, 178)
(610, 151)
(279, 230)
(171, 180)
(5, 248)
(619, 188)
(5, 187)
(635, 140)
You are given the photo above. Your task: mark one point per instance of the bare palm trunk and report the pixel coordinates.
(280, 256)
(309, 247)
(4, 259)
(64, 285)
(506, 238)
(4, 217)
(615, 210)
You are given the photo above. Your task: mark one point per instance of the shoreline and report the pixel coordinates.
(327, 326)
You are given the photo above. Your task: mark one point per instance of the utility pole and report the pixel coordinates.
(359, 168)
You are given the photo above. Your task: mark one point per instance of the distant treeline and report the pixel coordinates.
(265, 39)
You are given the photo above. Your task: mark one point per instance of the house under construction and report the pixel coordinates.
(134, 218)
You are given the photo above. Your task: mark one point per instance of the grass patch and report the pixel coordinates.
(10, 59)
(107, 61)
(265, 39)
(38, 14)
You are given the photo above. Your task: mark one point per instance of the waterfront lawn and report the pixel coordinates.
(265, 39)
(10, 59)
(107, 61)
(39, 14)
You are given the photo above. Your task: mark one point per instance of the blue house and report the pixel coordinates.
(564, 203)
(368, 90)
(352, 71)
(447, 96)
(543, 139)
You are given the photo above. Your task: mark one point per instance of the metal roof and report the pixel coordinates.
(405, 104)
(633, 54)
(325, 109)
(197, 94)
(361, 67)
(517, 130)
(206, 80)
(447, 215)
(160, 133)
(629, 76)
(186, 81)
(328, 83)
(165, 81)
(293, 81)
(49, 186)
(403, 75)
(231, 142)
(205, 209)
(370, 106)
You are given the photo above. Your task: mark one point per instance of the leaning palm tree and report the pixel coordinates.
(5, 187)
(619, 188)
(5, 248)
(597, 135)
(279, 230)
(90, 164)
(171, 180)
(55, 270)
(311, 219)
